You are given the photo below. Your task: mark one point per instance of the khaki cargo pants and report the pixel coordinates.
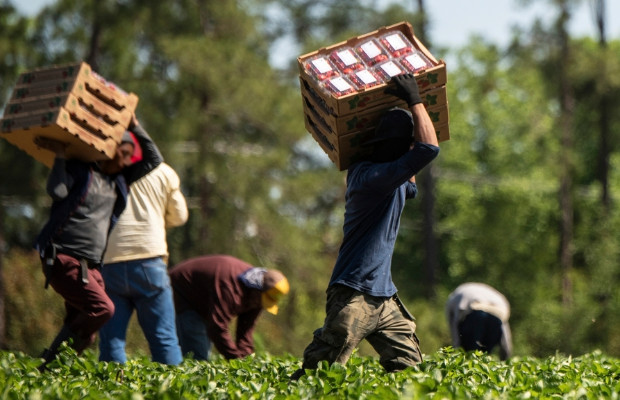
(353, 316)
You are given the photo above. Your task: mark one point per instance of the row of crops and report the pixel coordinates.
(447, 374)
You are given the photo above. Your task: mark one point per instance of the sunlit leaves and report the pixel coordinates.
(447, 374)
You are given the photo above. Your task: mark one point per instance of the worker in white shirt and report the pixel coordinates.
(135, 271)
(478, 318)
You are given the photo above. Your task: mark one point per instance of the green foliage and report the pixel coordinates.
(33, 314)
(232, 126)
(447, 374)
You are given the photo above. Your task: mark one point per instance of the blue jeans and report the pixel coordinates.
(193, 335)
(144, 286)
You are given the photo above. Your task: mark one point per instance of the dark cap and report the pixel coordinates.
(127, 138)
(396, 123)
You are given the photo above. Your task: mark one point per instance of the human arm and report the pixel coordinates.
(245, 331)
(176, 205)
(59, 182)
(385, 177)
(423, 128)
(505, 344)
(219, 318)
(151, 156)
(217, 329)
(406, 88)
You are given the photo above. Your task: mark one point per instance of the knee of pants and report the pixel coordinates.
(105, 313)
(331, 338)
(399, 364)
(327, 346)
(399, 355)
(99, 317)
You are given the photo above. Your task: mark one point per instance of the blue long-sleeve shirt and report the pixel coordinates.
(375, 198)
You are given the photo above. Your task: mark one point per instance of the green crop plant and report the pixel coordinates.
(447, 374)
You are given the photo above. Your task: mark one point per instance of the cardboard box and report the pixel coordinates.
(369, 118)
(429, 78)
(341, 150)
(348, 148)
(330, 117)
(83, 143)
(76, 79)
(69, 103)
(443, 132)
(364, 99)
(72, 103)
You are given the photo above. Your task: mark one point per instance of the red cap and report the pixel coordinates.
(137, 152)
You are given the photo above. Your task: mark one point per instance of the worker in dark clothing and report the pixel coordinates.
(88, 198)
(361, 298)
(210, 291)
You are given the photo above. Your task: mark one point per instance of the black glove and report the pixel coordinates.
(405, 88)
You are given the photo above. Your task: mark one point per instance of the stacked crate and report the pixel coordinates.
(72, 104)
(343, 89)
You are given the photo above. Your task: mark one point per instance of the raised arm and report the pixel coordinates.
(59, 182)
(151, 156)
(406, 88)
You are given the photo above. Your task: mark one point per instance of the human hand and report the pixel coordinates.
(56, 146)
(134, 121)
(406, 88)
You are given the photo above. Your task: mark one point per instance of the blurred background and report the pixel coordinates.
(523, 197)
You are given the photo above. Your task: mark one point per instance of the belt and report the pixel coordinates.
(52, 251)
(85, 265)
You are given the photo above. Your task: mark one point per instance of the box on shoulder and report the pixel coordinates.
(54, 73)
(75, 78)
(73, 103)
(82, 142)
(433, 99)
(344, 150)
(342, 92)
(343, 88)
(69, 103)
(19, 115)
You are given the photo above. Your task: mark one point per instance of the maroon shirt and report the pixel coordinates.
(210, 286)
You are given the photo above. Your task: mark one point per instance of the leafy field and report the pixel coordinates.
(447, 374)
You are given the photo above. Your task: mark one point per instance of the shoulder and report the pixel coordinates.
(166, 171)
(79, 169)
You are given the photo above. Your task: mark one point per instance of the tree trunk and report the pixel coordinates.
(567, 105)
(604, 142)
(427, 183)
(3, 344)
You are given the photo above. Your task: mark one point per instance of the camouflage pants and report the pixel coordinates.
(352, 316)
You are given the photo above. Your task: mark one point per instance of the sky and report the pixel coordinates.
(453, 22)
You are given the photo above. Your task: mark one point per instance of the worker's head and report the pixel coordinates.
(393, 135)
(275, 285)
(122, 157)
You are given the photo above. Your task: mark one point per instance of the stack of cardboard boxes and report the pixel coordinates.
(342, 88)
(71, 104)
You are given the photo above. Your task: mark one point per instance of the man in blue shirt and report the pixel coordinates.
(361, 297)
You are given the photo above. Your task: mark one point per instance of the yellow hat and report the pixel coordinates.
(275, 285)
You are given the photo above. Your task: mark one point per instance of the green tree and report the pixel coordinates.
(18, 180)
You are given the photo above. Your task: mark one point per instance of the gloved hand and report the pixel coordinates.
(406, 88)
